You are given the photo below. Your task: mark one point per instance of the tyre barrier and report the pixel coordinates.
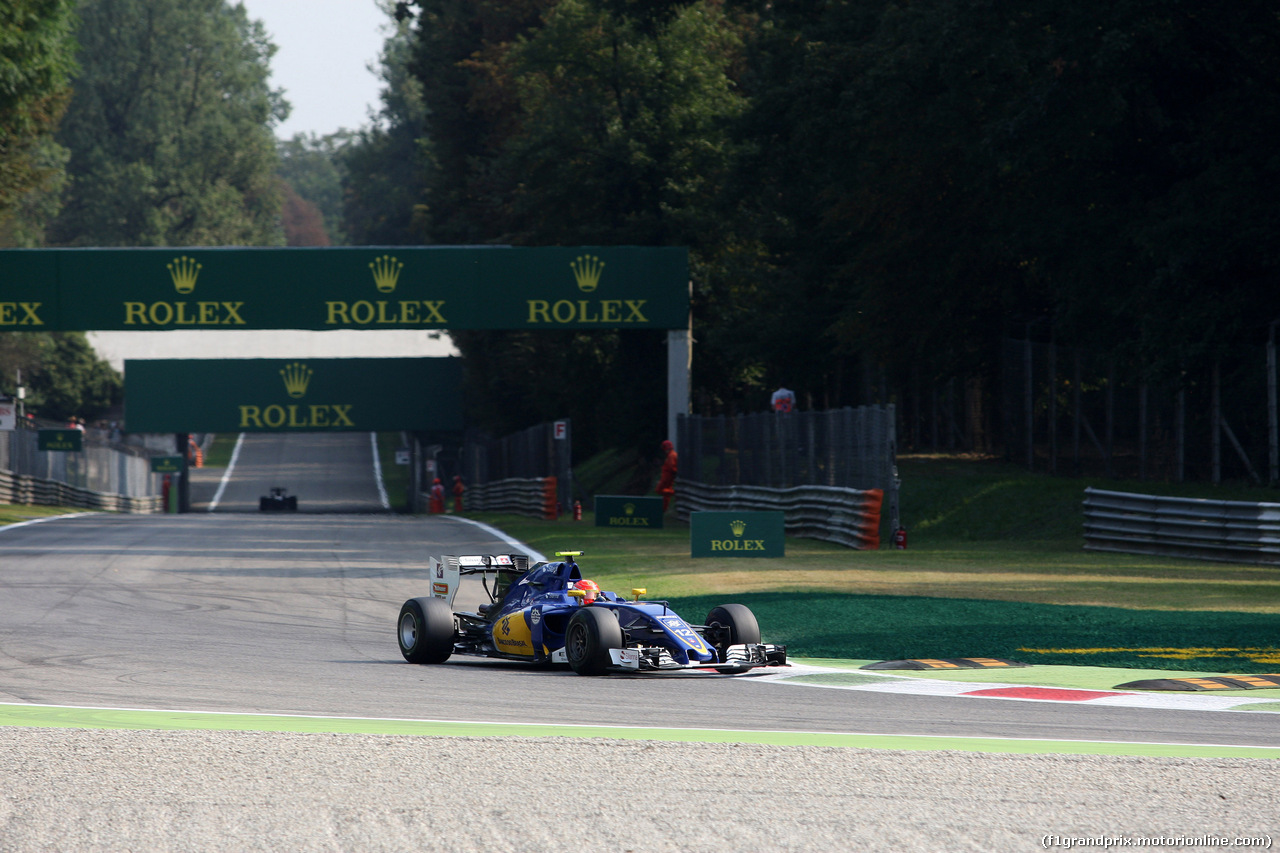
(1197, 528)
(849, 517)
(27, 490)
(535, 497)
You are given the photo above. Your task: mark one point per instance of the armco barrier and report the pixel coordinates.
(22, 489)
(849, 517)
(1227, 531)
(533, 496)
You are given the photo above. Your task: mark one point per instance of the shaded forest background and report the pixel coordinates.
(877, 196)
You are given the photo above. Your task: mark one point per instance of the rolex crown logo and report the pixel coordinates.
(586, 271)
(737, 527)
(386, 273)
(296, 378)
(184, 272)
(629, 508)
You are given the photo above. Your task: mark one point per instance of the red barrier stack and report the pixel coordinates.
(550, 505)
(868, 527)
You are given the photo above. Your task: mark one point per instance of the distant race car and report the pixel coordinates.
(277, 501)
(548, 613)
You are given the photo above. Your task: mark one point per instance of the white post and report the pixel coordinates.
(679, 364)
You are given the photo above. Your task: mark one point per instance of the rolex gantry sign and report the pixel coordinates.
(403, 287)
(293, 395)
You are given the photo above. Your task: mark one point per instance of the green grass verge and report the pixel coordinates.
(995, 568)
(107, 718)
(220, 449)
(394, 477)
(878, 627)
(14, 513)
(949, 498)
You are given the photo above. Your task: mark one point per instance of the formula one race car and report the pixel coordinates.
(277, 501)
(548, 613)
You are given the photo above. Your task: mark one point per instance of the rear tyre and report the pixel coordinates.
(425, 630)
(592, 632)
(730, 625)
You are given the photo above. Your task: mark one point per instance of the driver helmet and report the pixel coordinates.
(591, 588)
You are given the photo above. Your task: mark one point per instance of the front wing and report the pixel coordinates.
(739, 658)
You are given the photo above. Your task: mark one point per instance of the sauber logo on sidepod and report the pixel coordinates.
(512, 635)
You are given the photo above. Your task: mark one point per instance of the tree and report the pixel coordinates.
(942, 173)
(302, 221)
(459, 59)
(311, 166)
(36, 47)
(616, 132)
(384, 165)
(70, 379)
(170, 128)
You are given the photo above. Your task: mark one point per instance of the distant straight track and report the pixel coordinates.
(328, 472)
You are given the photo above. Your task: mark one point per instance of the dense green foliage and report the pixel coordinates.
(971, 166)
(309, 167)
(63, 376)
(384, 165)
(874, 193)
(36, 49)
(170, 128)
(166, 139)
(72, 380)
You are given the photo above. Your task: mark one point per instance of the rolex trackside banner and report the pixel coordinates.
(633, 513)
(387, 287)
(293, 395)
(737, 534)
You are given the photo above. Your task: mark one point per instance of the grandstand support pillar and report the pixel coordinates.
(679, 364)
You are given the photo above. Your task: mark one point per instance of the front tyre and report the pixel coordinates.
(425, 630)
(592, 632)
(731, 625)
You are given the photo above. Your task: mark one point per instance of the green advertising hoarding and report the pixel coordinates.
(293, 395)
(400, 287)
(168, 464)
(628, 512)
(737, 534)
(60, 440)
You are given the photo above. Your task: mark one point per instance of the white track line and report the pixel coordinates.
(520, 547)
(377, 472)
(606, 728)
(18, 524)
(226, 475)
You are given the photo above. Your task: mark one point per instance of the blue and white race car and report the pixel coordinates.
(548, 613)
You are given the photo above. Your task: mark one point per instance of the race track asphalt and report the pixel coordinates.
(283, 613)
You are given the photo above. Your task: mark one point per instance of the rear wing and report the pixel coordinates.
(447, 571)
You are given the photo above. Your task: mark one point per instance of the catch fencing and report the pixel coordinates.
(102, 476)
(850, 517)
(850, 447)
(543, 450)
(1226, 531)
(853, 449)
